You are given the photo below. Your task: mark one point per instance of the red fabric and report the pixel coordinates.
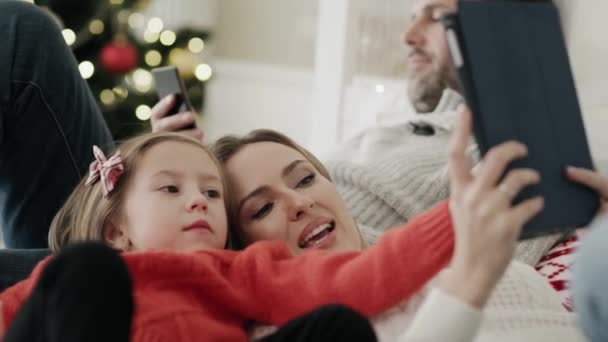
(556, 266)
(210, 295)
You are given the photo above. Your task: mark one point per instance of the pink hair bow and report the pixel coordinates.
(109, 170)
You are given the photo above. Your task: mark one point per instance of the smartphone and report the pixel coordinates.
(169, 82)
(514, 72)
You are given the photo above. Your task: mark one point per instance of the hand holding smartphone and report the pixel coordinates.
(168, 82)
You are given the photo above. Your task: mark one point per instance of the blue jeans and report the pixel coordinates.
(590, 282)
(49, 121)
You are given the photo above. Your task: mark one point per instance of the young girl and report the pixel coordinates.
(160, 200)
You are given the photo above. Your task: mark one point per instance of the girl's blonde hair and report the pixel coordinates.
(86, 213)
(227, 146)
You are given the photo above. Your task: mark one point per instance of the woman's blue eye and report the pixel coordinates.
(263, 211)
(307, 180)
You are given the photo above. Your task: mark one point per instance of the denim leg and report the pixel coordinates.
(590, 282)
(48, 123)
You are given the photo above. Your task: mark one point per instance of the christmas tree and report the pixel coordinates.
(116, 45)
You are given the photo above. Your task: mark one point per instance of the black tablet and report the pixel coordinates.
(513, 66)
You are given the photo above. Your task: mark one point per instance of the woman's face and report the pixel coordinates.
(281, 196)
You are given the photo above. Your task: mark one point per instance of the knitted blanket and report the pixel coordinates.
(523, 307)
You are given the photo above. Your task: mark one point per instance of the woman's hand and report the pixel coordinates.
(173, 123)
(486, 223)
(594, 181)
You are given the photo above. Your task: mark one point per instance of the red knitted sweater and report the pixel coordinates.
(211, 295)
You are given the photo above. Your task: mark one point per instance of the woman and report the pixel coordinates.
(278, 187)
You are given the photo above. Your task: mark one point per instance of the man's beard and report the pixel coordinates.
(426, 89)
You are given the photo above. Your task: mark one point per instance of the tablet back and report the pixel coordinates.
(517, 80)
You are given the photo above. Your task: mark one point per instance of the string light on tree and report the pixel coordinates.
(203, 72)
(107, 97)
(69, 36)
(142, 80)
(136, 20)
(185, 61)
(155, 25)
(196, 45)
(167, 38)
(153, 58)
(96, 26)
(121, 92)
(87, 69)
(143, 112)
(151, 37)
(123, 16)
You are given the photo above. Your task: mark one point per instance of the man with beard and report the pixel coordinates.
(430, 69)
(392, 172)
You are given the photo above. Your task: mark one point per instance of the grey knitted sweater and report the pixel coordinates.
(390, 173)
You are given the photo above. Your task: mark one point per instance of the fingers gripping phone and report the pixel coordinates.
(168, 82)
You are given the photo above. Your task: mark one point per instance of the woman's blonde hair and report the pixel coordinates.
(86, 213)
(227, 146)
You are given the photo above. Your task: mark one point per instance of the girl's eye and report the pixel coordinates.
(307, 180)
(263, 211)
(212, 194)
(172, 189)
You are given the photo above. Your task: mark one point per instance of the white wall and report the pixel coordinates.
(588, 42)
(278, 32)
(249, 95)
(596, 124)
(198, 14)
(588, 46)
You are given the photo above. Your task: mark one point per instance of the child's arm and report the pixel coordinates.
(269, 285)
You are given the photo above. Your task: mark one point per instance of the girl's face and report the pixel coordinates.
(281, 196)
(174, 200)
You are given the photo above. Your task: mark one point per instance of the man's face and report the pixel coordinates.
(430, 69)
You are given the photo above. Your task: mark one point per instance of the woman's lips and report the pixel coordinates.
(324, 242)
(320, 233)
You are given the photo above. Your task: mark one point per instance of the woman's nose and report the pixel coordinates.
(299, 205)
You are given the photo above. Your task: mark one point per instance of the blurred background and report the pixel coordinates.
(317, 70)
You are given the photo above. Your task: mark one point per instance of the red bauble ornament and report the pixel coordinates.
(119, 57)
